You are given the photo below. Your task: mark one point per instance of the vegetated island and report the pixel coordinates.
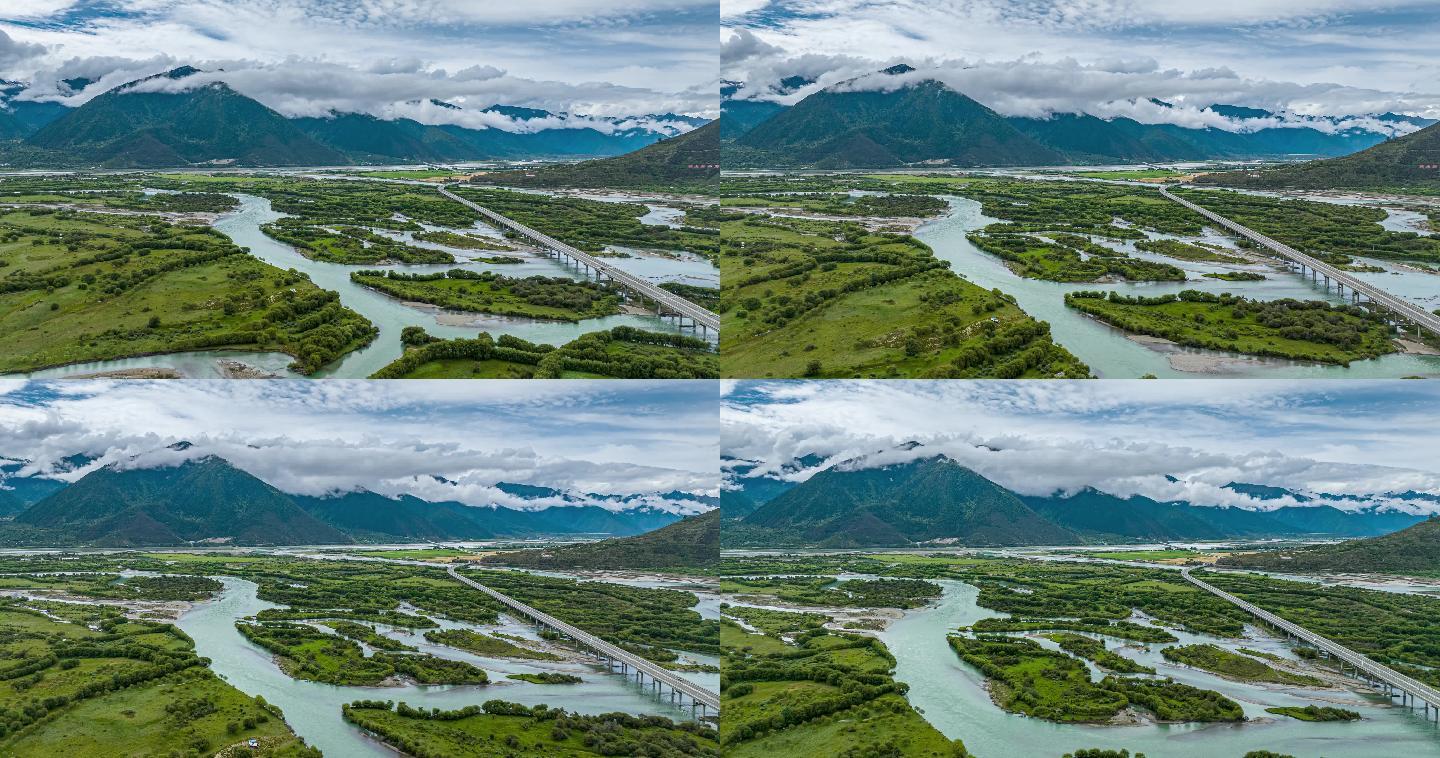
(820, 298)
(620, 353)
(1217, 660)
(556, 298)
(1294, 329)
(515, 729)
(78, 287)
(1315, 713)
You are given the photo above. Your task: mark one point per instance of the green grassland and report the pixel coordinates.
(367, 634)
(1057, 257)
(828, 693)
(78, 287)
(622, 352)
(776, 622)
(1136, 175)
(500, 730)
(839, 204)
(539, 297)
(803, 297)
(822, 592)
(1144, 555)
(486, 645)
(1234, 665)
(1235, 276)
(1185, 251)
(1095, 651)
(463, 241)
(1299, 330)
(1316, 713)
(548, 677)
(594, 225)
(94, 683)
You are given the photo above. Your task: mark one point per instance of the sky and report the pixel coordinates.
(609, 438)
(308, 57)
(1105, 57)
(1119, 436)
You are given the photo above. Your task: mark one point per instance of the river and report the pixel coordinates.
(951, 696)
(1109, 353)
(243, 226)
(313, 709)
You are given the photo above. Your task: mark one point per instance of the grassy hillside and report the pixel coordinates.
(691, 543)
(689, 162)
(1412, 551)
(1410, 163)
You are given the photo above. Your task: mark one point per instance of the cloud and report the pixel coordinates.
(1302, 57)
(306, 57)
(1122, 437)
(388, 437)
(12, 52)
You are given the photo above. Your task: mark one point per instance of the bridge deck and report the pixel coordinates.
(664, 298)
(1401, 307)
(1359, 662)
(677, 683)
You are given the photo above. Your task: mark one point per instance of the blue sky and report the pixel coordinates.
(303, 57)
(1022, 57)
(1125, 437)
(313, 437)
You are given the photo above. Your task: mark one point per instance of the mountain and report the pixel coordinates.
(1414, 550)
(129, 127)
(926, 499)
(735, 504)
(1102, 516)
(690, 161)
(690, 543)
(204, 499)
(19, 492)
(1411, 161)
(840, 127)
(369, 516)
(367, 138)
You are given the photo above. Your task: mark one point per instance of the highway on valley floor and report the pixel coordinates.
(657, 673)
(1400, 307)
(666, 300)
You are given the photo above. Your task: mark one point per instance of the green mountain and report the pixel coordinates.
(128, 127)
(688, 162)
(839, 128)
(205, 499)
(1411, 161)
(926, 499)
(372, 517)
(1412, 551)
(690, 543)
(1101, 516)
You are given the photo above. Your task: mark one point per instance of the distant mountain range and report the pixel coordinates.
(1415, 550)
(690, 543)
(928, 123)
(936, 500)
(208, 500)
(143, 125)
(1408, 162)
(688, 162)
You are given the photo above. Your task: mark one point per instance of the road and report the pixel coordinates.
(657, 673)
(1376, 671)
(1399, 306)
(668, 301)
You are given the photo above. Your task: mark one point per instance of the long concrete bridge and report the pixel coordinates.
(628, 662)
(665, 301)
(1385, 678)
(1399, 307)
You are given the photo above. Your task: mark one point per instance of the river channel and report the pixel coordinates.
(1109, 353)
(952, 696)
(313, 709)
(243, 226)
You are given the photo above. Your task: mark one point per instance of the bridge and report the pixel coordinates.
(1399, 307)
(665, 301)
(1383, 677)
(680, 687)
